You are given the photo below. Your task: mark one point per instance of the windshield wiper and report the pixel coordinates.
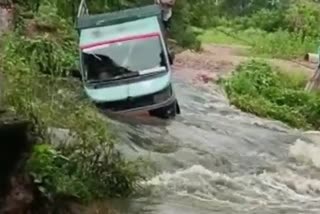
(118, 77)
(127, 75)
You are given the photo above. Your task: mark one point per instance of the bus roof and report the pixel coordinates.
(141, 28)
(117, 17)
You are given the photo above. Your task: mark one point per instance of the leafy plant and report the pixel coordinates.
(88, 166)
(46, 166)
(279, 44)
(258, 88)
(283, 29)
(303, 18)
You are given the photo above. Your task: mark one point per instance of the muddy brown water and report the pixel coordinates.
(215, 159)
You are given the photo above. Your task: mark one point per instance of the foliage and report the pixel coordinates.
(67, 9)
(289, 28)
(303, 18)
(88, 166)
(248, 7)
(44, 54)
(181, 30)
(279, 44)
(226, 35)
(294, 15)
(298, 16)
(264, 19)
(282, 44)
(198, 8)
(207, 13)
(258, 88)
(44, 163)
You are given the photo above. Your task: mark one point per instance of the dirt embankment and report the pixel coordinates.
(18, 193)
(219, 60)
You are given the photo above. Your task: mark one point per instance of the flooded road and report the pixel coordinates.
(215, 159)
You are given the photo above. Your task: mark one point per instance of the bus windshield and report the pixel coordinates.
(123, 58)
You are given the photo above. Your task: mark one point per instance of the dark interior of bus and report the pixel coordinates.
(101, 67)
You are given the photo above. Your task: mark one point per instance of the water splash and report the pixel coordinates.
(269, 188)
(307, 153)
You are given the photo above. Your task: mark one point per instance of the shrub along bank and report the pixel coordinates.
(89, 166)
(284, 29)
(180, 30)
(258, 88)
(35, 59)
(279, 44)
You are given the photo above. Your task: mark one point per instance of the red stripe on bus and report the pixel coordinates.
(128, 38)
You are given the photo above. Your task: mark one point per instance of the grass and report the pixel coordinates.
(265, 91)
(280, 44)
(218, 37)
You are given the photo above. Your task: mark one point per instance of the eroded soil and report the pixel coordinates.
(220, 60)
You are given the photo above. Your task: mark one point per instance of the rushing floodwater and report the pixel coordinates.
(216, 159)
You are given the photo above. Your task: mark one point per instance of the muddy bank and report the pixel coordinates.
(18, 193)
(215, 61)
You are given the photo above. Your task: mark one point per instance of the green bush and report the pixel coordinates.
(283, 44)
(279, 44)
(91, 160)
(88, 166)
(284, 29)
(181, 29)
(203, 14)
(258, 88)
(303, 18)
(264, 19)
